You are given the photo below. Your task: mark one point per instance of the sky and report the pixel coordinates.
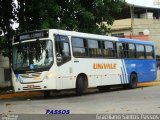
(145, 3)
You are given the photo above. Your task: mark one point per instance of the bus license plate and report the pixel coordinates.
(30, 86)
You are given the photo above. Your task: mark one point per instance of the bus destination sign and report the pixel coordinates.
(31, 35)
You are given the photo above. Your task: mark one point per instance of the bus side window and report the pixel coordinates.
(131, 51)
(140, 51)
(94, 48)
(120, 50)
(80, 47)
(108, 49)
(149, 52)
(63, 54)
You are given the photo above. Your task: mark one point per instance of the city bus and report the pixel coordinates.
(53, 59)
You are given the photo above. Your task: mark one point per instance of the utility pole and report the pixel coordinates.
(132, 20)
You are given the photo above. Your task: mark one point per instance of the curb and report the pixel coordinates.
(20, 94)
(147, 84)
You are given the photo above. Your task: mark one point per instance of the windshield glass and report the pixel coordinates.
(33, 55)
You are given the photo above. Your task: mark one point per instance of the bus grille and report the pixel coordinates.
(32, 88)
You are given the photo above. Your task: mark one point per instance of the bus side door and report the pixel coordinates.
(63, 59)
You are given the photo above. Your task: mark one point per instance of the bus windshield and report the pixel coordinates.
(33, 55)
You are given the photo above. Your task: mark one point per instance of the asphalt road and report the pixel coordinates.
(140, 100)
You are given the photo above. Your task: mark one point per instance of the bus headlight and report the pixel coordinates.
(49, 75)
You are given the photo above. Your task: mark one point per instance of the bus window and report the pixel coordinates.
(149, 52)
(62, 49)
(120, 50)
(94, 48)
(79, 47)
(108, 50)
(38, 54)
(131, 51)
(140, 51)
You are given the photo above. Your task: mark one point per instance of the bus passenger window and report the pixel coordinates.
(108, 50)
(120, 50)
(62, 49)
(140, 51)
(149, 52)
(94, 48)
(79, 47)
(131, 51)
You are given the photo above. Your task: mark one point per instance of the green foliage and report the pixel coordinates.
(7, 17)
(88, 15)
(78, 15)
(35, 14)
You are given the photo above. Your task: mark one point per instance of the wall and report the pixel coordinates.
(4, 64)
(139, 37)
(139, 25)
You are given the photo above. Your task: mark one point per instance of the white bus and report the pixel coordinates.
(53, 59)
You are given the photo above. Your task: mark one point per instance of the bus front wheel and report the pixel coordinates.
(80, 85)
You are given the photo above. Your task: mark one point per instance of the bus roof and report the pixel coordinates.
(103, 37)
(128, 40)
(85, 35)
(95, 36)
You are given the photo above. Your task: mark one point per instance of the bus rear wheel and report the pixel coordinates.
(81, 85)
(133, 81)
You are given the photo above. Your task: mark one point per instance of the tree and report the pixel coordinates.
(88, 15)
(100, 11)
(7, 8)
(35, 14)
(78, 15)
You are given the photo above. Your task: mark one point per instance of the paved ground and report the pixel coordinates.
(9, 94)
(140, 100)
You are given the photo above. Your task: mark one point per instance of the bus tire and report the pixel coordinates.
(80, 85)
(47, 94)
(133, 81)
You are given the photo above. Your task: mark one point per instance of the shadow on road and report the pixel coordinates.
(64, 94)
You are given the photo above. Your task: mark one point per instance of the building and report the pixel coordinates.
(144, 29)
(139, 21)
(5, 77)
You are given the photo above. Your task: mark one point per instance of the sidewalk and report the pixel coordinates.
(10, 94)
(21, 94)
